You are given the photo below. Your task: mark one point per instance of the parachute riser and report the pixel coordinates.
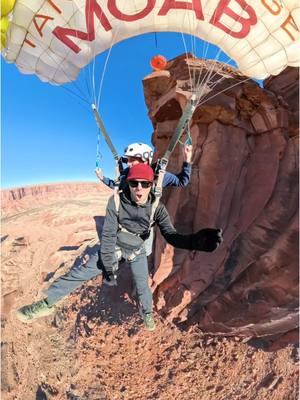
(180, 129)
(119, 166)
(105, 135)
(182, 125)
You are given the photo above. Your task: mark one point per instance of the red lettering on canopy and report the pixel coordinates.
(194, 6)
(91, 8)
(44, 19)
(274, 7)
(30, 43)
(111, 5)
(54, 6)
(223, 8)
(290, 24)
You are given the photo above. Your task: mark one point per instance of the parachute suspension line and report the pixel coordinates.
(70, 92)
(224, 90)
(99, 121)
(85, 72)
(97, 101)
(191, 71)
(86, 81)
(103, 130)
(208, 77)
(74, 82)
(205, 98)
(214, 84)
(188, 140)
(93, 66)
(95, 105)
(204, 55)
(184, 123)
(186, 53)
(229, 59)
(187, 15)
(80, 95)
(92, 77)
(76, 96)
(202, 85)
(93, 96)
(105, 66)
(192, 37)
(98, 153)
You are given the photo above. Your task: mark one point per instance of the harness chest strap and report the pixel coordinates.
(117, 205)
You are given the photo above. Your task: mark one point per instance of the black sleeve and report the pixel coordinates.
(168, 231)
(109, 235)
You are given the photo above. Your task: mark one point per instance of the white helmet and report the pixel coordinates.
(140, 150)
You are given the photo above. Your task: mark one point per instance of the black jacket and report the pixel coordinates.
(136, 219)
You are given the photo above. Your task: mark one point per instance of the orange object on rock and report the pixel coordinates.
(158, 62)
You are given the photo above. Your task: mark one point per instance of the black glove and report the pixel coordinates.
(109, 279)
(207, 239)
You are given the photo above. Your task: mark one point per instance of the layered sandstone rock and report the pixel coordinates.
(27, 197)
(245, 181)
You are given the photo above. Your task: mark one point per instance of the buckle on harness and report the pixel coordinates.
(161, 165)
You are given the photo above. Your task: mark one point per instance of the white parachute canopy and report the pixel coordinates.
(54, 39)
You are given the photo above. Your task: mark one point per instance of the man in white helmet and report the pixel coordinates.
(136, 153)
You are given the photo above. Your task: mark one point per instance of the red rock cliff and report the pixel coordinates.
(244, 180)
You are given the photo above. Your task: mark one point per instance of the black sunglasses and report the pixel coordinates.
(144, 184)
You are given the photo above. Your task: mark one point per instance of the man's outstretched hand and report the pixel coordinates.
(207, 239)
(109, 279)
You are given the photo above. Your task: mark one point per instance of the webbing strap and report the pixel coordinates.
(117, 205)
(153, 209)
(182, 126)
(117, 201)
(104, 132)
(189, 141)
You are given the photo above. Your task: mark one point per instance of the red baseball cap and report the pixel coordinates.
(141, 171)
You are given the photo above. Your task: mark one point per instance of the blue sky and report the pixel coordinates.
(48, 135)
